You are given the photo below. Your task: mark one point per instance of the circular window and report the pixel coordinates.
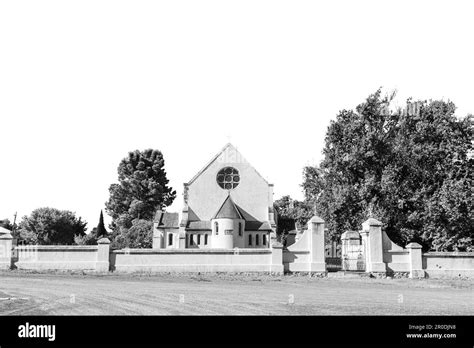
(228, 178)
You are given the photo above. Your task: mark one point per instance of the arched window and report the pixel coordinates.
(250, 239)
(264, 241)
(240, 229)
(205, 239)
(216, 227)
(257, 241)
(199, 239)
(170, 239)
(191, 239)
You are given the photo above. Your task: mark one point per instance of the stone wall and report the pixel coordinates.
(63, 257)
(410, 259)
(448, 264)
(198, 260)
(307, 255)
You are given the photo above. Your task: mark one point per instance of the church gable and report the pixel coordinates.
(229, 172)
(228, 154)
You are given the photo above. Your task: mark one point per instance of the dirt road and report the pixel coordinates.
(66, 294)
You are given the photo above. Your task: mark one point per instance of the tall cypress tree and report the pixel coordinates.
(101, 231)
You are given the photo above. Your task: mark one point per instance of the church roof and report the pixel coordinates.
(199, 225)
(228, 210)
(257, 226)
(4, 230)
(167, 220)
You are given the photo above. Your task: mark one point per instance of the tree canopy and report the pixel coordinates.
(291, 212)
(100, 230)
(51, 226)
(139, 235)
(411, 170)
(5, 223)
(142, 188)
(94, 235)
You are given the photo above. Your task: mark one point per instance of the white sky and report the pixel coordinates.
(84, 82)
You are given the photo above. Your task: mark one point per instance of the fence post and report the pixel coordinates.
(277, 258)
(317, 245)
(372, 234)
(103, 246)
(5, 250)
(416, 265)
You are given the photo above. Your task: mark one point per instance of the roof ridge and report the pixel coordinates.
(210, 162)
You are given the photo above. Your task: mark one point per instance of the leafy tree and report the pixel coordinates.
(289, 213)
(402, 168)
(142, 188)
(87, 239)
(451, 224)
(51, 226)
(6, 224)
(139, 235)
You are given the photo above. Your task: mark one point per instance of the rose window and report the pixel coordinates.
(228, 178)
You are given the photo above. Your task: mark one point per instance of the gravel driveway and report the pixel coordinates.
(114, 294)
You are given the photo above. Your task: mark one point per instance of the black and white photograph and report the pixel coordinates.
(236, 172)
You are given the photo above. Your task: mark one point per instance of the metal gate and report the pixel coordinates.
(353, 252)
(333, 256)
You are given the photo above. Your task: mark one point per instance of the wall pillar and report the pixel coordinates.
(103, 246)
(365, 242)
(5, 250)
(416, 265)
(277, 258)
(317, 246)
(374, 246)
(157, 238)
(182, 238)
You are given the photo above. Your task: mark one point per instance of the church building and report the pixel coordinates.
(226, 205)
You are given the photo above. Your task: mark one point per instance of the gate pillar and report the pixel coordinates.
(416, 263)
(317, 245)
(5, 249)
(372, 233)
